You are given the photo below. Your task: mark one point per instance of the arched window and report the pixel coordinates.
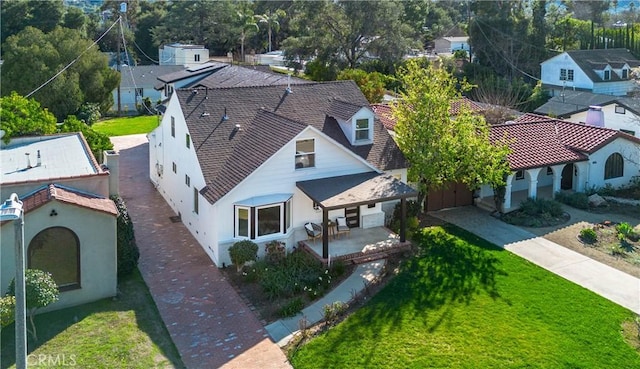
(57, 250)
(614, 167)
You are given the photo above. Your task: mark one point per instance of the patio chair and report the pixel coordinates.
(313, 231)
(342, 227)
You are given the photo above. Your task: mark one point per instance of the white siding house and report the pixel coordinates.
(449, 45)
(599, 71)
(230, 161)
(183, 54)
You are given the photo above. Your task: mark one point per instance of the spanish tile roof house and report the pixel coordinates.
(254, 162)
(70, 222)
(601, 71)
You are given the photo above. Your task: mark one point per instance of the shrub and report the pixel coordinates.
(41, 290)
(89, 113)
(242, 252)
(588, 235)
(7, 310)
(275, 251)
(625, 230)
(617, 250)
(292, 307)
(578, 200)
(541, 207)
(128, 253)
(332, 312)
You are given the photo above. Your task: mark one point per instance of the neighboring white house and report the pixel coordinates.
(601, 71)
(183, 54)
(449, 45)
(259, 162)
(69, 220)
(168, 82)
(137, 83)
(557, 155)
(620, 113)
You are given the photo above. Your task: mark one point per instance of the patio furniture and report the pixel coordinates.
(313, 231)
(342, 227)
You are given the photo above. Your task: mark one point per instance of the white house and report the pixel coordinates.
(259, 162)
(138, 82)
(183, 54)
(601, 71)
(615, 112)
(554, 155)
(69, 220)
(449, 45)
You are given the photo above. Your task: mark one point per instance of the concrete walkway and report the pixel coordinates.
(209, 323)
(283, 330)
(619, 287)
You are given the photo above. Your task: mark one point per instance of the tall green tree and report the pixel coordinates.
(346, 32)
(371, 84)
(20, 116)
(247, 24)
(438, 148)
(272, 21)
(152, 14)
(17, 15)
(88, 79)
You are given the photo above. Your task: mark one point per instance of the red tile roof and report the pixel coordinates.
(539, 141)
(470, 104)
(69, 196)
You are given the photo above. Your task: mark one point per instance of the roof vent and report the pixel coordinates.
(595, 116)
(225, 117)
(28, 161)
(204, 114)
(288, 90)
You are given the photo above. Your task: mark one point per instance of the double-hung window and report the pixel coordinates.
(305, 153)
(607, 75)
(362, 130)
(261, 216)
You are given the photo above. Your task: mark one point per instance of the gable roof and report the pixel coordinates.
(539, 141)
(70, 196)
(343, 110)
(578, 101)
(269, 117)
(588, 60)
(236, 76)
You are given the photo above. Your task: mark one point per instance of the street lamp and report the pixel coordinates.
(12, 210)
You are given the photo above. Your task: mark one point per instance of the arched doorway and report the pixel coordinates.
(567, 177)
(57, 250)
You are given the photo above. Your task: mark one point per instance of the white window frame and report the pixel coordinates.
(563, 74)
(188, 140)
(173, 126)
(367, 129)
(285, 221)
(301, 155)
(606, 75)
(625, 73)
(570, 74)
(196, 200)
(237, 223)
(187, 180)
(620, 109)
(196, 57)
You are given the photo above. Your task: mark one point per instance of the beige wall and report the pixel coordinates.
(96, 232)
(95, 184)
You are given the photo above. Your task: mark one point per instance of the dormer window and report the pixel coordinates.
(607, 75)
(362, 130)
(625, 73)
(305, 153)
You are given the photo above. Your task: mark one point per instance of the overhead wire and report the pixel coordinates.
(74, 60)
(133, 79)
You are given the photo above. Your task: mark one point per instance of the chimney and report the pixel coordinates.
(595, 116)
(39, 160)
(111, 161)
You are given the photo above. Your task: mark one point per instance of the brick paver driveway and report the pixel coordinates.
(209, 323)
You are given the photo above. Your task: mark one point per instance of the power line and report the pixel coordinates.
(74, 60)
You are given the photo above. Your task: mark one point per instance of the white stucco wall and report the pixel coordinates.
(96, 232)
(629, 151)
(182, 56)
(628, 121)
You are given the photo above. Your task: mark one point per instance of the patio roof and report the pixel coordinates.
(355, 189)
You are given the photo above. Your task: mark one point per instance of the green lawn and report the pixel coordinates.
(126, 332)
(126, 125)
(467, 304)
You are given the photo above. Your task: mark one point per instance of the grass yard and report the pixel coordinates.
(464, 303)
(126, 332)
(126, 125)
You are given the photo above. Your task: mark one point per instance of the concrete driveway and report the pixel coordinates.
(610, 283)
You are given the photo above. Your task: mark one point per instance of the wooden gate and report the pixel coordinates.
(449, 196)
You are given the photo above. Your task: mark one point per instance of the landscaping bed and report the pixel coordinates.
(537, 213)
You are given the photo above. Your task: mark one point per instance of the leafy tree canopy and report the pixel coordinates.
(371, 84)
(89, 79)
(441, 149)
(24, 117)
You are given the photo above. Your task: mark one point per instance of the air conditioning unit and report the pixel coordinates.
(159, 169)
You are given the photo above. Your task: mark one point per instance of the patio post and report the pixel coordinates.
(325, 233)
(403, 219)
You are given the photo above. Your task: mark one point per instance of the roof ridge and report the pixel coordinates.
(314, 83)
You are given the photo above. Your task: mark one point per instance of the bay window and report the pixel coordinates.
(263, 216)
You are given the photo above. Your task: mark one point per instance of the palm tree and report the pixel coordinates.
(247, 23)
(272, 21)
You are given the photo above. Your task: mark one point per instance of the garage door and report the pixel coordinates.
(449, 196)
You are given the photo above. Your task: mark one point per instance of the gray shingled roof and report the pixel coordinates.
(269, 118)
(235, 76)
(588, 60)
(201, 70)
(577, 101)
(342, 109)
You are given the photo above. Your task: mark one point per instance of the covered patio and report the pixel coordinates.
(354, 190)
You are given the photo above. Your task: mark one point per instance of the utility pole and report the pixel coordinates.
(123, 12)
